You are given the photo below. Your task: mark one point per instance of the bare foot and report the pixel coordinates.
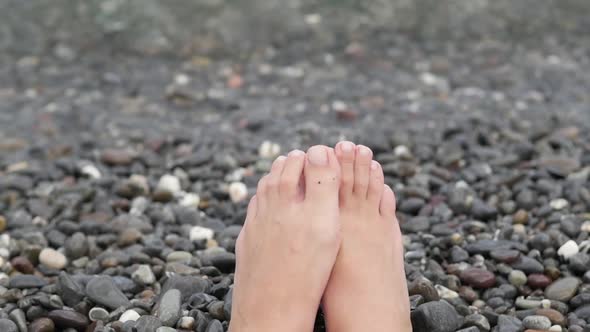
(367, 290)
(288, 245)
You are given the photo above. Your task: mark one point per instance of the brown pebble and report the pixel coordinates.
(128, 237)
(521, 217)
(68, 318)
(537, 280)
(468, 294)
(554, 316)
(42, 325)
(116, 157)
(22, 265)
(478, 278)
(2, 223)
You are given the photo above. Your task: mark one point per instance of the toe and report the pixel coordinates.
(362, 171)
(262, 193)
(274, 178)
(252, 210)
(345, 155)
(322, 174)
(291, 176)
(375, 190)
(387, 206)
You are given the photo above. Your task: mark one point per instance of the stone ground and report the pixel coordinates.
(125, 177)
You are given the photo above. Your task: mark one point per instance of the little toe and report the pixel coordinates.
(251, 211)
(291, 176)
(362, 170)
(345, 155)
(387, 205)
(322, 174)
(274, 178)
(375, 190)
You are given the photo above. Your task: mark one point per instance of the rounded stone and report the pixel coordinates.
(537, 280)
(563, 289)
(98, 313)
(6, 325)
(53, 259)
(517, 278)
(129, 315)
(42, 325)
(537, 322)
(568, 249)
(478, 278)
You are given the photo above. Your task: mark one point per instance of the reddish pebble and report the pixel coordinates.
(22, 265)
(478, 278)
(235, 81)
(538, 280)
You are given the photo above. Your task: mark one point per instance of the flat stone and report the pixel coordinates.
(436, 316)
(537, 280)
(509, 324)
(563, 289)
(41, 325)
(528, 265)
(70, 290)
(507, 256)
(144, 275)
(68, 319)
(24, 281)
(580, 300)
(554, 316)
(517, 278)
(6, 325)
(98, 313)
(22, 265)
(129, 315)
(102, 290)
(187, 285)
(477, 320)
(583, 312)
(424, 287)
(214, 326)
(478, 278)
(147, 324)
(537, 322)
(169, 307)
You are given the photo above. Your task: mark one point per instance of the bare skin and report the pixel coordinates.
(367, 289)
(288, 245)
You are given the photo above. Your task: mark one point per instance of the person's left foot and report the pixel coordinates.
(288, 244)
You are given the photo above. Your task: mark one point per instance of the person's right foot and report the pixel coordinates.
(367, 290)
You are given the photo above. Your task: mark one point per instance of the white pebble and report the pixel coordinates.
(2, 262)
(143, 275)
(53, 259)
(558, 204)
(4, 240)
(238, 191)
(91, 171)
(140, 181)
(3, 276)
(402, 151)
(446, 293)
(4, 253)
(199, 233)
(313, 19)
(129, 315)
(586, 226)
(546, 304)
(339, 106)
(169, 183)
(568, 249)
(269, 150)
(39, 221)
(181, 79)
(186, 322)
(190, 199)
(555, 328)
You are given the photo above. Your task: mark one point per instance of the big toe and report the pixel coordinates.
(322, 174)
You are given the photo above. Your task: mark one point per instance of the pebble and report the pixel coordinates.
(179, 256)
(6, 325)
(41, 325)
(537, 322)
(559, 204)
(22, 264)
(563, 289)
(190, 199)
(129, 315)
(102, 290)
(24, 281)
(478, 278)
(436, 316)
(477, 320)
(170, 184)
(165, 329)
(554, 316)
(116, 157)
(148, 323)
(76, 246)
(568, 249)
(143, 275)
(537, 280)
(68, 319)
(509, 324)
(53, 259)
(169, 307)
(186, 322)
(269, 150)
(237, 192)
(517, 278)
(199, 233)
(98, 313)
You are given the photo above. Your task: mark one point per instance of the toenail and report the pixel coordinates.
(347, 147)
(374, 165)
(281, 158)
(317, 156)
(296, 153)
(364, 151)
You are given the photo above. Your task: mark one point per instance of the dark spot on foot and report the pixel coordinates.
(319, 182)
